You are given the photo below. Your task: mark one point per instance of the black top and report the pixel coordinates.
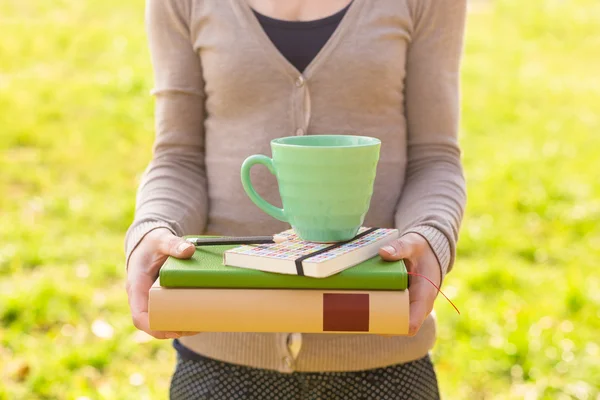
(300, 41)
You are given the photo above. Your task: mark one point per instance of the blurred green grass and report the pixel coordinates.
(77, 129)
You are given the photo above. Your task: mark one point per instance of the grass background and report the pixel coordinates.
(76, 131)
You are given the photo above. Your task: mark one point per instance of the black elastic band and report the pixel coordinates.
(298, 261)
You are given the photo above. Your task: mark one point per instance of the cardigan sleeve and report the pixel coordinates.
(434, 195)
(172, 193)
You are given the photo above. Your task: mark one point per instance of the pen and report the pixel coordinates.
(216, 241)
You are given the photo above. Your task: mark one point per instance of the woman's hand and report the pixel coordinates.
(419, 258)
(144, 264)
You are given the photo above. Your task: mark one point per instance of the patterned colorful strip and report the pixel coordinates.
(298, 261)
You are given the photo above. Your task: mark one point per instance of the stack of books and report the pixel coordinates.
(292, 286)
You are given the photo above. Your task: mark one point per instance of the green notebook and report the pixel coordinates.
(206, 270)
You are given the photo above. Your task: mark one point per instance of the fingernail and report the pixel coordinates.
(390, 250)
(172, 335)
(183, 247)
(413, 329)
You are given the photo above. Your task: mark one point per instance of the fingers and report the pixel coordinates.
(422, 297)
(419, 310)
(396, 250)
(188, 333)
(175, 246)
(421, 302)
(145, 263)
(421, 260)
(166, 243)
(138, 291)
(404, 247)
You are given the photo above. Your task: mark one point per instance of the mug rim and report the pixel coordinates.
(368, 141)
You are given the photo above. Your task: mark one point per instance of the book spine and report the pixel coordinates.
(274, 310)
(228, 281)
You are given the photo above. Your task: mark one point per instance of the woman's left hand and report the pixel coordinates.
(419, 258)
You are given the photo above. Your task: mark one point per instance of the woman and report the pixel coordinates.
(230, 75)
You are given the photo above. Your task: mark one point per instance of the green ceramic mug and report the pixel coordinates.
(325, 183)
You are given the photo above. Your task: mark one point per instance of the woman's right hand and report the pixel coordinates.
(144, 264)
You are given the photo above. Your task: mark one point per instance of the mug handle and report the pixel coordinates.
(264, 205)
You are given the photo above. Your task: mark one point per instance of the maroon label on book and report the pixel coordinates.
(346, 312)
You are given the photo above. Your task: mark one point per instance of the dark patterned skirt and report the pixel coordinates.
(198, 378)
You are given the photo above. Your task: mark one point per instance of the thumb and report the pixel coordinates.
(397, 250)
(175, 246)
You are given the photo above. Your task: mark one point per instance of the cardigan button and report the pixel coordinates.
(300, 81)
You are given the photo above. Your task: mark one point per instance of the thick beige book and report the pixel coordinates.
(278, 310)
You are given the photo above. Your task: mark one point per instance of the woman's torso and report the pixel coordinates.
(253, 95)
